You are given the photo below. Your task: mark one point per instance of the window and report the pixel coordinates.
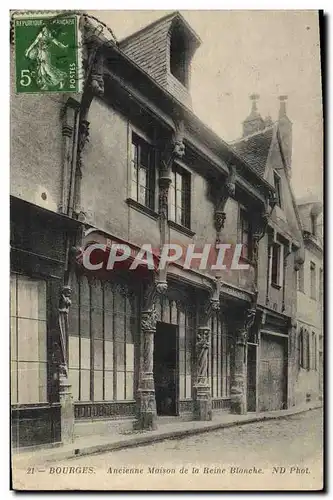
(300, 279)
(304, 349)
(321, 284)
(180, 195)
(277, 185)
(245, 235)
(301, 348)
(28, 347)
(178, 58)
(143, 172)
(313, 280)
(277, 264)
(314, 351)
(101, 341)
(308, 351)
(220, 367)
(313, 225)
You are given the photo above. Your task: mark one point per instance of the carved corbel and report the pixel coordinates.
(97, 74)
(213, 303)
(228, 190)
(249, 318)
(152, 291)
(299, 258)
(174, 149)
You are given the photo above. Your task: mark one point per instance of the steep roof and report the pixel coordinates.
(255, 148)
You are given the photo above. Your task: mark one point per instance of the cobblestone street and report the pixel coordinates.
(278, 454)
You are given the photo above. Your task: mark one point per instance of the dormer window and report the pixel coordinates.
(277, 185)
(313, 225)
(179, 58)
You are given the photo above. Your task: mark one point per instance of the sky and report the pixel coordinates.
(242, 52)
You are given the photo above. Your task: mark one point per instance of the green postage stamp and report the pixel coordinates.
(47, 55)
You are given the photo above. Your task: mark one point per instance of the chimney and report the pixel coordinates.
(254, 122)
(285, 131)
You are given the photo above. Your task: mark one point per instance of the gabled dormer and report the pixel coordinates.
(164, 49)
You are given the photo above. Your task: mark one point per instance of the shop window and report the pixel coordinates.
(101, 342)
(220, 359)
(186, 334)
(180, 197)
(28, 340)
(142, 172)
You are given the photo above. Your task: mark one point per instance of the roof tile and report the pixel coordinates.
(255, 148)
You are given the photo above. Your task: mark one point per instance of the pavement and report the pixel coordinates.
(94, 444)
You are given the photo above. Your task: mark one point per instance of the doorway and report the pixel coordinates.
(251, 377)
(166, 369)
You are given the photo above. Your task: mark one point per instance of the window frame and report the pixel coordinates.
(277, 187)
(99, 301)
(186, 194)
(279, 282)
(314, 351)
(14, 319)
(244, 216)
(139, 139)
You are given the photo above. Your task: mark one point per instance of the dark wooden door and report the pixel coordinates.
(272, 373)
(165, 369)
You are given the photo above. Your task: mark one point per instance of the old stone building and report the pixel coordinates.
(310, 301)
(267, 146)
(128, 162)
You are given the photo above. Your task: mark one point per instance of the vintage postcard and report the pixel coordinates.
(166, 281)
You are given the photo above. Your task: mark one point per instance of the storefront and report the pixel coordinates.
(38, 260)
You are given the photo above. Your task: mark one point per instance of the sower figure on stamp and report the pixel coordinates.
(39, 51)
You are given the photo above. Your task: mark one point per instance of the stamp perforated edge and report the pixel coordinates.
(48, 14)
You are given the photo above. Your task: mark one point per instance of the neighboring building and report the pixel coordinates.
(128, 161)
(267, 146)
(310, 301)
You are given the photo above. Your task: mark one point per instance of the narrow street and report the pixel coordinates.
(277, 454)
